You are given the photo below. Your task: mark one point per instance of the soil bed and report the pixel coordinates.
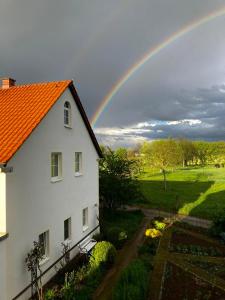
(180, 238)
(212, 268)
(179, 285)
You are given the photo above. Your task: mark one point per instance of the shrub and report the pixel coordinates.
(116, 236)
(50, 294)
(81, 274)
(159, 225)
(133, 282)
(98, 236)
(152, 232)
(67, 291)
(218, 224)
(149, 246)
(104, 253)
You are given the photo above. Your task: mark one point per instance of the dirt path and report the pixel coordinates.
(177, 217)
(125, 255)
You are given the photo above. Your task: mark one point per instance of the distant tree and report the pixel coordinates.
(164, 154)
(117, 174)
(187, 151)
(204, 151)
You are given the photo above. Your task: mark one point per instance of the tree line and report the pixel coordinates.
(182, 152)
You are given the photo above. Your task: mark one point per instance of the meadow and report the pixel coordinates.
(195, 191)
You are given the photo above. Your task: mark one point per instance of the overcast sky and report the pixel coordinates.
(179, 92)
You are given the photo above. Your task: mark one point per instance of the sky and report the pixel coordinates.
(180, 92)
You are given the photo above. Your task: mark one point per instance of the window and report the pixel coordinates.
(85, 218)
(67, 114)
(67, 229)
(44, 241)
(56, 165)
(78, 163)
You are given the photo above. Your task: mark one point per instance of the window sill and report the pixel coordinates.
(78, 174)
(85, 228)
(68, 126)
(56, 179)
(67, 242)
(44, 260)
(3, 236)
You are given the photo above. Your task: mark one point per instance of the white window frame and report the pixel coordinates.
(57, 164)
(78, 171)
(67, 114)
(45, 235)
(68, 220)
(85, 218)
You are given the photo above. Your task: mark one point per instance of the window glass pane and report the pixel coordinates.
(67, 229)
(85, 217)
(77, 162)
(43, 240)
(67, 113)
(56, 167)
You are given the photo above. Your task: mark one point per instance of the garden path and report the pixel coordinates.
(176, 217)
(125, 255)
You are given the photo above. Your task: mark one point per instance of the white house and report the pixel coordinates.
(48, 176)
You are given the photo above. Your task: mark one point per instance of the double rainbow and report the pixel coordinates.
(150, 54)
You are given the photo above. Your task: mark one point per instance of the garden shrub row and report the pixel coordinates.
(81, 284)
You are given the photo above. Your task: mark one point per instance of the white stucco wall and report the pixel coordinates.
(2, 202)
(3, 269)
(35, 204)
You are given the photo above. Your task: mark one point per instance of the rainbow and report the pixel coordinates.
(150, 54)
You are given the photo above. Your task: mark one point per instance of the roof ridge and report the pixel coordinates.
(41, 83)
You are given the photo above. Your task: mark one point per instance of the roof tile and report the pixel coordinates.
(21, 109)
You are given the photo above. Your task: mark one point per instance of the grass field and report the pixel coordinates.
(190, 191)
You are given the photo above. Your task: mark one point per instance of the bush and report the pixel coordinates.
(159, 225)
(218, 224)
(50, 294)
(149, 247)
(117, 236)
(133, 282)
(104, 253)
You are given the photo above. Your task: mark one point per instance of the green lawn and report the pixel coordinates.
(191, 191)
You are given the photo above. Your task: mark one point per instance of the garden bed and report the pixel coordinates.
(186, 243)
(215, 269)
(180, 284)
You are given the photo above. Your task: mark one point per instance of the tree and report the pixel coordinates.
(187, 149)
(33, 266)
(164, 154)
(117, 177)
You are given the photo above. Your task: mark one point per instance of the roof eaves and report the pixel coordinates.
(85, 118)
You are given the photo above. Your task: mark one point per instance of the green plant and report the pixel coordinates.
(67, 291)
(97, 236)
(104, 253)
(81, 274)
(50, 294)
(159, 225)
(116, 236)
(133, 282)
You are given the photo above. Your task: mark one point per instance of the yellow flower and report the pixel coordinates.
(152, 232)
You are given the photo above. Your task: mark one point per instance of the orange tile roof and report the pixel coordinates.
(21, 110)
